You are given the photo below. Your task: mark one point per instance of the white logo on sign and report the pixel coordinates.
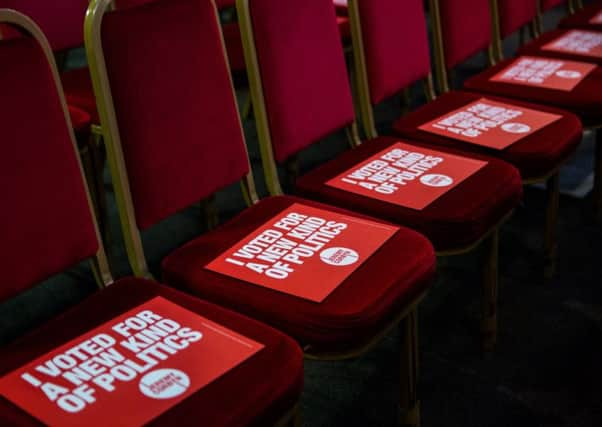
(164, 383)
(568, 74)
(436, 180)
(516, 128)
(339, 256)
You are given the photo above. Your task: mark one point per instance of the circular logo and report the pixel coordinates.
(568, 74)
(516, 128)
(339, 256)
(436, 180)
(164, 383)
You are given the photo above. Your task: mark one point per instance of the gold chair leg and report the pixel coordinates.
(295, 420)
(99, 159)
(209, 213)
(409, 404)
(246, 108)
(291, 167)
(550, 241)
(597, 191)
(93, 164)
(490, 290)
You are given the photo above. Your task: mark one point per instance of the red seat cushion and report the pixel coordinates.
(581, 18)
(534, 48)
(584, 100)
(257, 392)
(341, 6)
(352, 314)
(458, 218)
(80, 120)
(77, 85)
(344, 27)
(535, 156)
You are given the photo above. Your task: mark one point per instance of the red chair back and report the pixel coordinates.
(550, 4)
(515, 14)
(466, 28)
(62, 21)
(176, 114)
(303, 73)
(396, 46)
(46, 222)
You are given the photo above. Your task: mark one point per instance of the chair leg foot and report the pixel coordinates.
(409, 404)
(489, 294)
(550, 241)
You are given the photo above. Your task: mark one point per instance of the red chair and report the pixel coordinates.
(301, 95)
(583, 100)
(392, 53)
(62, 22)
(43, 167)
(512, 15)
(174, 138)
(585, 18)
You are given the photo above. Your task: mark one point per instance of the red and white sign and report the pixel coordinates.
(129, 370)
(407, 175)
(490, 123)
(544, 72)
(596, 19)
(586, 43)
(303, 251)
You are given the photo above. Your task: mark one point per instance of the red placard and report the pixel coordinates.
(544, 72)
(490, 123)
(303, 251)
(596, 19)
(407, 175)
(586, 43)
(129, 370)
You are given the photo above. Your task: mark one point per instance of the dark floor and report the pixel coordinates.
(546, 371)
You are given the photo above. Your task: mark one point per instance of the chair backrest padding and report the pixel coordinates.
(303, 73)
(549, 4)
(395, 43)
(466, 29)
(515, 14)
(45, 220)
(176, 112)
(62, 21)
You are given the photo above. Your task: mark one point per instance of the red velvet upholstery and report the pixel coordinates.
(257, 392)
(582, 17)
(341, 7)
(303, 72)
(359, 308)
(535, 156)
(234, 47)
(175, 141)
(515, 14)
(396, 45)
(61, 21)
(466, 28)
(221, 4)
(549, 4)
(456, 219)
(533, 48)
(584, 100)
(80, 120)
(79, 93)
(344, 27)
(40, 171)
